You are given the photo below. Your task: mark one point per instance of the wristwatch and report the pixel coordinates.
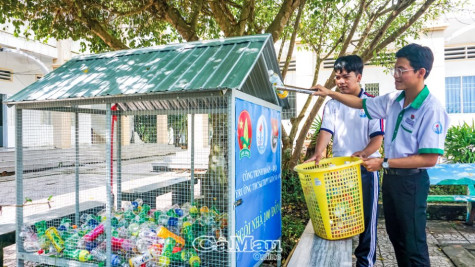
(385, 163)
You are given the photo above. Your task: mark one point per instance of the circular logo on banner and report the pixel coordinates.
(437, 127)
(244, 134)
(261, 134)
(274, 134)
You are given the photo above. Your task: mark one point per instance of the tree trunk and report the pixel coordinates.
(292, 39)
(285, 12)
(215, 181)
(110, 40)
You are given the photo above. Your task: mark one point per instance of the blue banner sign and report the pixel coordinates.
(257, 182)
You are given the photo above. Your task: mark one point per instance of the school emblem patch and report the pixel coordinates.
(244, 134)
(362, 113)
(437, 127)
(261, 135)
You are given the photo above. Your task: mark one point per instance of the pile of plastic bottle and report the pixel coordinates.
(140, 236)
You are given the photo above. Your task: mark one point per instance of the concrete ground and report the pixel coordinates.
(451, 243)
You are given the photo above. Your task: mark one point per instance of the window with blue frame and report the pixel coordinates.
(468, 88)
(460, 94)
(452, 94)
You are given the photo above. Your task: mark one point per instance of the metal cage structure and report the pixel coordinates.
(124, 169)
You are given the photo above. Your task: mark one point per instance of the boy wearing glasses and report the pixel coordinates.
(416, 128)
(354, 134)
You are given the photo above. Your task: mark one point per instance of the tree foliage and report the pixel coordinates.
(120, 24)
(368, 28)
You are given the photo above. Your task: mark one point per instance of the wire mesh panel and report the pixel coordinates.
(130, 183)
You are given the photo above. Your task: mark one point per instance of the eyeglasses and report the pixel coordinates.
(397, 72)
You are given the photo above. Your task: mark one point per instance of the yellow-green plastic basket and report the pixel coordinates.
(334, 196)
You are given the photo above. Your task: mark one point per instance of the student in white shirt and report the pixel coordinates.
(354, 135)
(416, 126)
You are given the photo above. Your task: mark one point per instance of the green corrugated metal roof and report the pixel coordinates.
(193, 66)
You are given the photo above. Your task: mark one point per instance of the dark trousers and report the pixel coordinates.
(366, 251)
(405, 203)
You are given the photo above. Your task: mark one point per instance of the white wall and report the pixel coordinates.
(454, 68)
(24, 71)
(436, 80)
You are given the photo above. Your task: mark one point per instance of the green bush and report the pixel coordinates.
(448, 190)
(460, 143)
(459, 148)
(294, 211)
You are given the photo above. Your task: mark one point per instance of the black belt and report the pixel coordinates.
(395, 171)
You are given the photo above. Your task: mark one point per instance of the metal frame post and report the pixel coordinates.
(19, 183)
(109, 201)
(231, 111)
(76, 134)
(192, 167)
(119, 162)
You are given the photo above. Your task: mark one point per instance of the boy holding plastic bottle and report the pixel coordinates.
(354, 135)
(417, 126)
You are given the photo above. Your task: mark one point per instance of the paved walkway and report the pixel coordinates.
(440, 234)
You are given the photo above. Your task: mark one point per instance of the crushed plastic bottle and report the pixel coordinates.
(91, 236)
(99, 254)
(30, 239)
(140, 236)
(78, 254)
(164, 233)
(56, 240)
(137, 261)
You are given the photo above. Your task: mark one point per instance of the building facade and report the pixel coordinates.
(23, 62)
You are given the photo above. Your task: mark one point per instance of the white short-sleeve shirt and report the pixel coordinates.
(350, 127)
(420, 128)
